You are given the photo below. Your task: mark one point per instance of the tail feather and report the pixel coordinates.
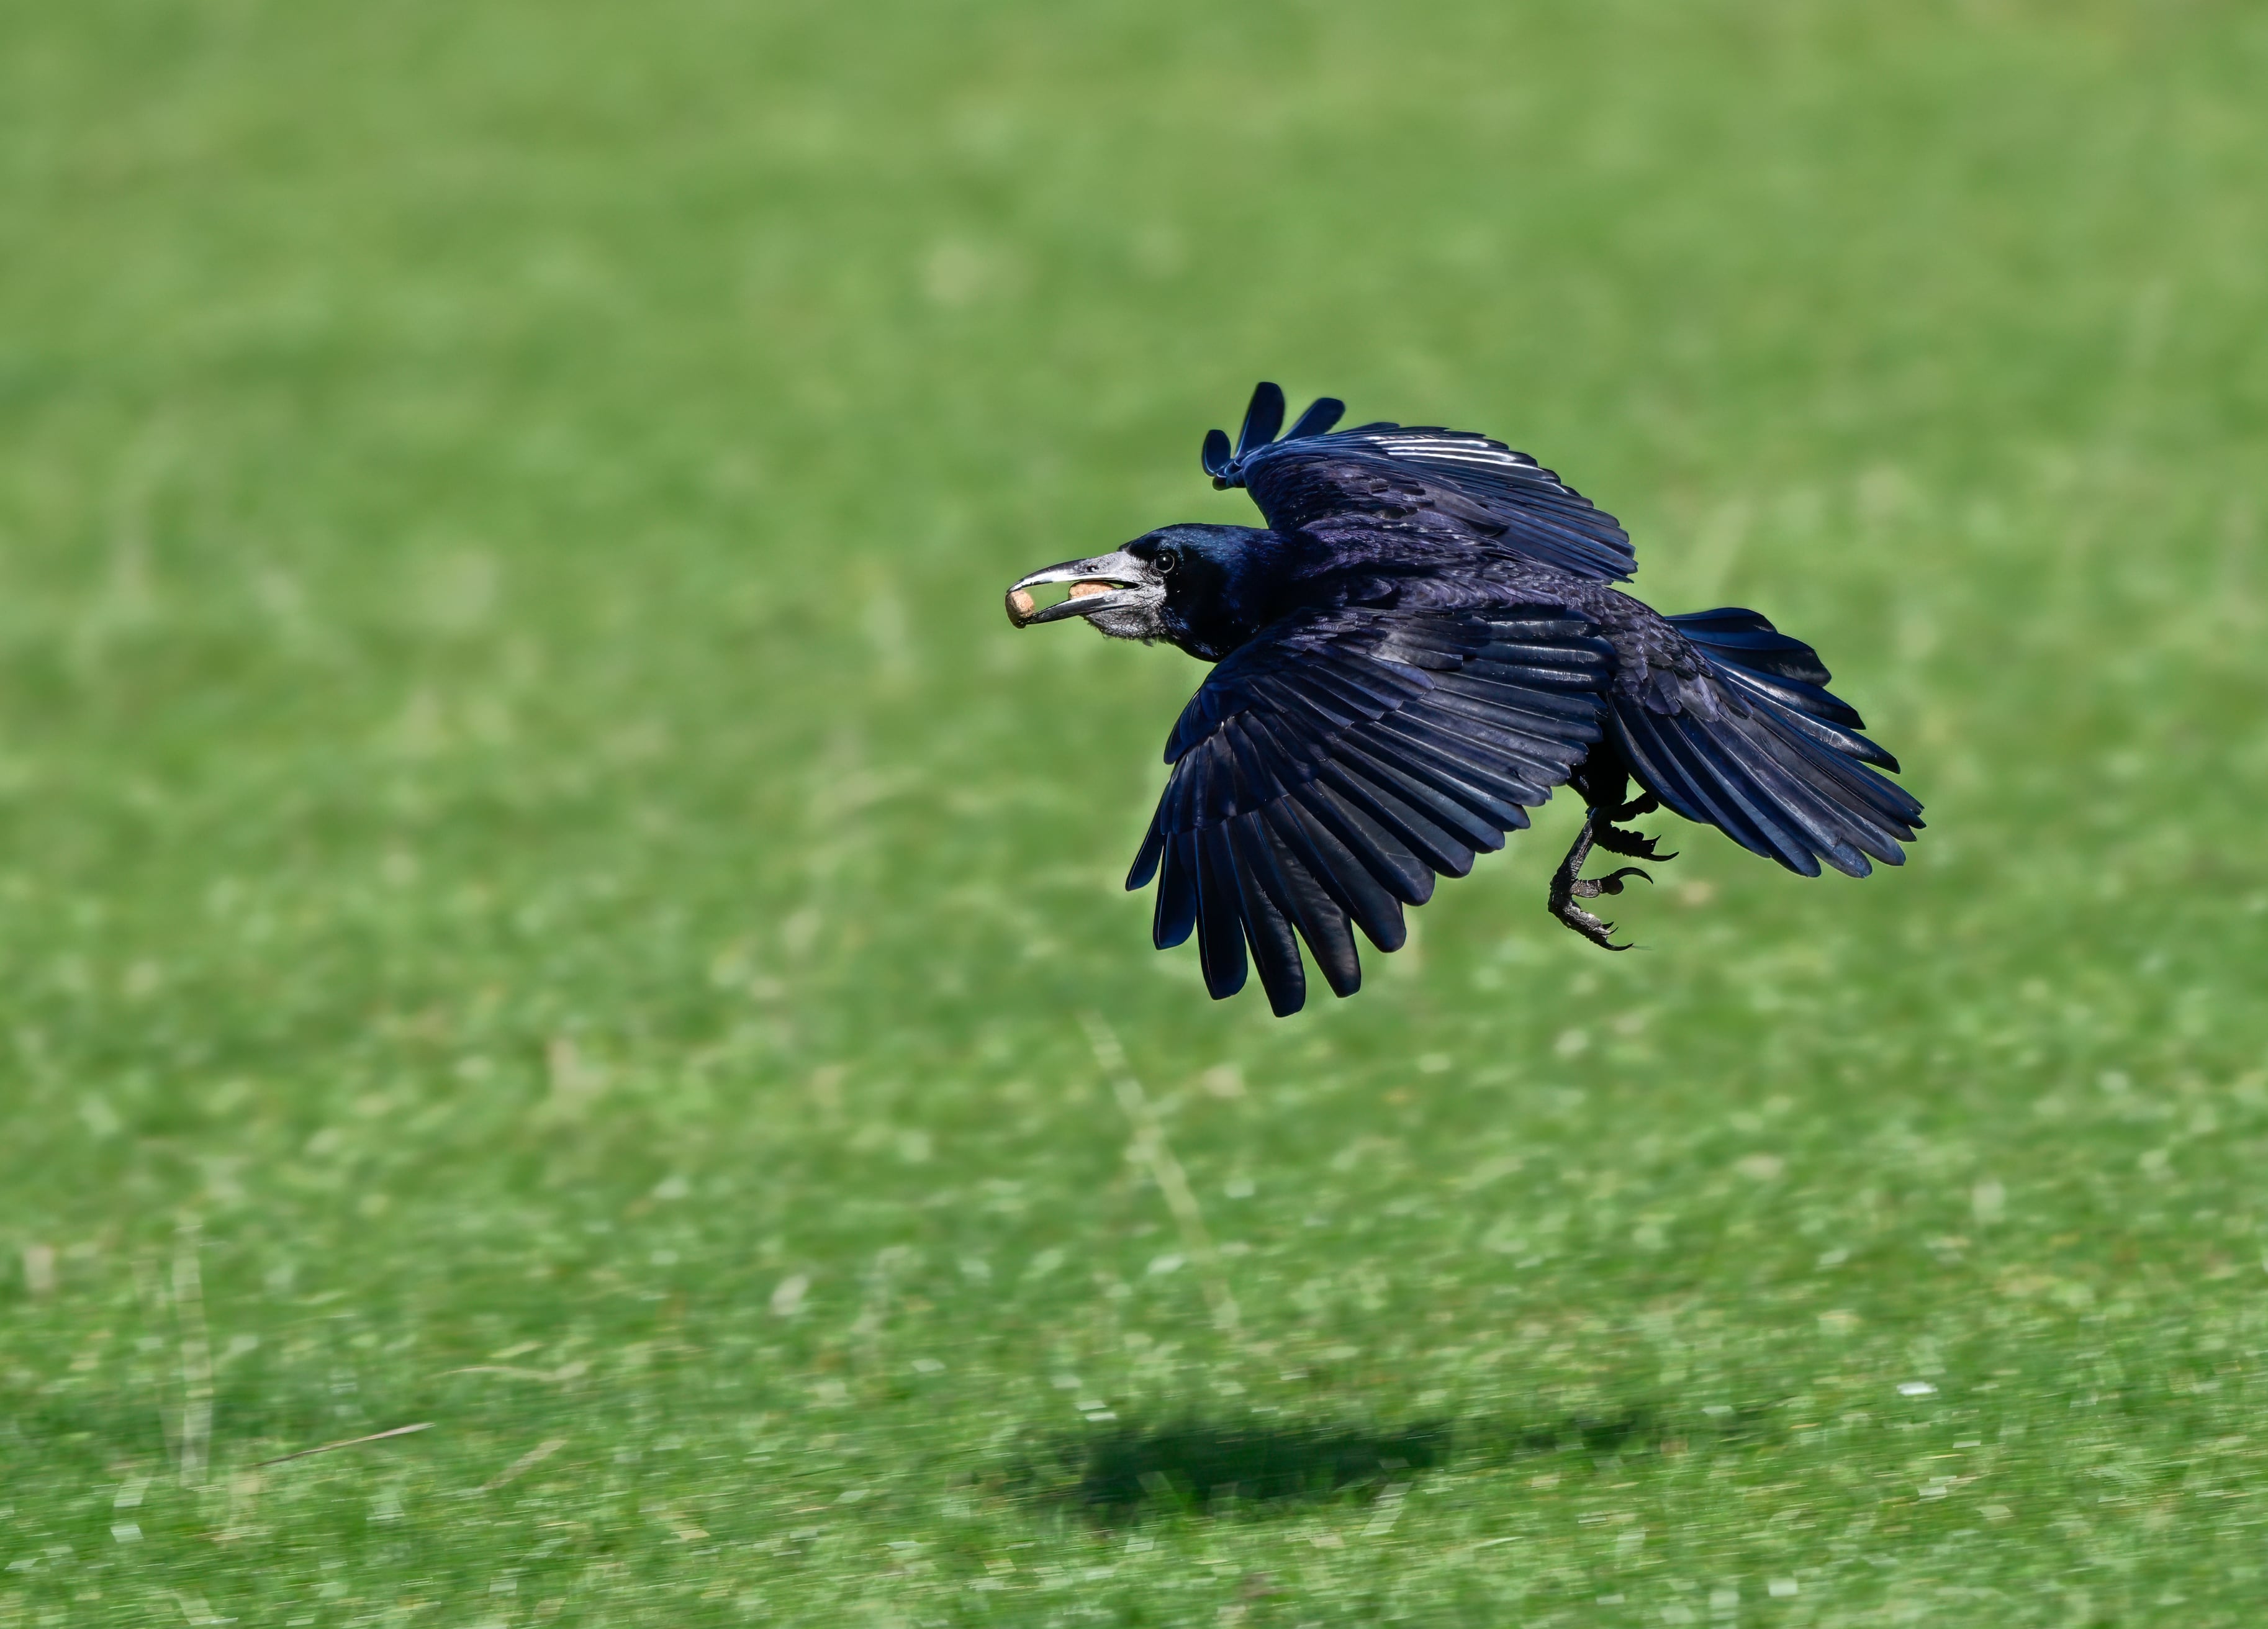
(1781, 769)
(1742, 646)
(1738, 634)
(1675, 758)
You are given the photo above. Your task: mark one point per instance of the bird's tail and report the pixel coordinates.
(1781, 768)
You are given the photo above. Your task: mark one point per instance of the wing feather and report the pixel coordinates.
(1329, 935)
(1261, 889)
(1220, 920)
(1464, 817)
(1398, 871)
(1347, 880)
(1176, 914)
(1327, 772)
(1423, 839)
(1448, 482)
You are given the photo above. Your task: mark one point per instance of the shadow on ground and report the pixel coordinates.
(1120, 1472)
(1199, 1464)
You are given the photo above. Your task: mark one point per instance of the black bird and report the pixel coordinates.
(1420, 645)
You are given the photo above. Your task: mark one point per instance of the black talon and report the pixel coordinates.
(1611, 883)
(1568, 885)
(1591, 928)
(1634, 844)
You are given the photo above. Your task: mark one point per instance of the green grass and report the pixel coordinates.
(540, 894)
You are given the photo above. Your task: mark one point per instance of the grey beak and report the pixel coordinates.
(1102, 583)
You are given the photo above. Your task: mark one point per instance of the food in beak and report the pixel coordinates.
(1021, 605)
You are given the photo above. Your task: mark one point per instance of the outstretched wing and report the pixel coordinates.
(1329, 770)
(1442, 480)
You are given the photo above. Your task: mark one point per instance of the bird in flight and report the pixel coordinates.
(1419, 645)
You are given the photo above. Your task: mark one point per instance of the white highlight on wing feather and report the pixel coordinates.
(1443, 449)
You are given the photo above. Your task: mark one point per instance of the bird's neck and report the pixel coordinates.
(1245, 593)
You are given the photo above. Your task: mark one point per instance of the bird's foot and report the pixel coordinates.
(1633, 844)
(1568, 885)
(1573, 916)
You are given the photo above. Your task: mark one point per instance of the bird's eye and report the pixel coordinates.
(1168, 561)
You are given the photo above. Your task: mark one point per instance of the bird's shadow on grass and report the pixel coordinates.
(1124, 1471)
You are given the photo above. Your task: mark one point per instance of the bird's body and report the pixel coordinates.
(1422, 644)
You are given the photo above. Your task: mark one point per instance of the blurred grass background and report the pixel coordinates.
(539, 893)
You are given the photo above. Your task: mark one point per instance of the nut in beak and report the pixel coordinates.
(1107, 585)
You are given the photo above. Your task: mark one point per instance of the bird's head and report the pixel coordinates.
(1187, 585)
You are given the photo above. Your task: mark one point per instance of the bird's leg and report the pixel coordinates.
(1568, 885)
(1636, 844)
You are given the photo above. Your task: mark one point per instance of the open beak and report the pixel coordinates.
(1104, 582)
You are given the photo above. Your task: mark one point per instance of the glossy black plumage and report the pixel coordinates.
(1451, 482)
(1324, 776)
(1421, 646)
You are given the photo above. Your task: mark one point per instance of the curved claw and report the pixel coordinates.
(1591, 887)
(1600, 933)
(1636, 844)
